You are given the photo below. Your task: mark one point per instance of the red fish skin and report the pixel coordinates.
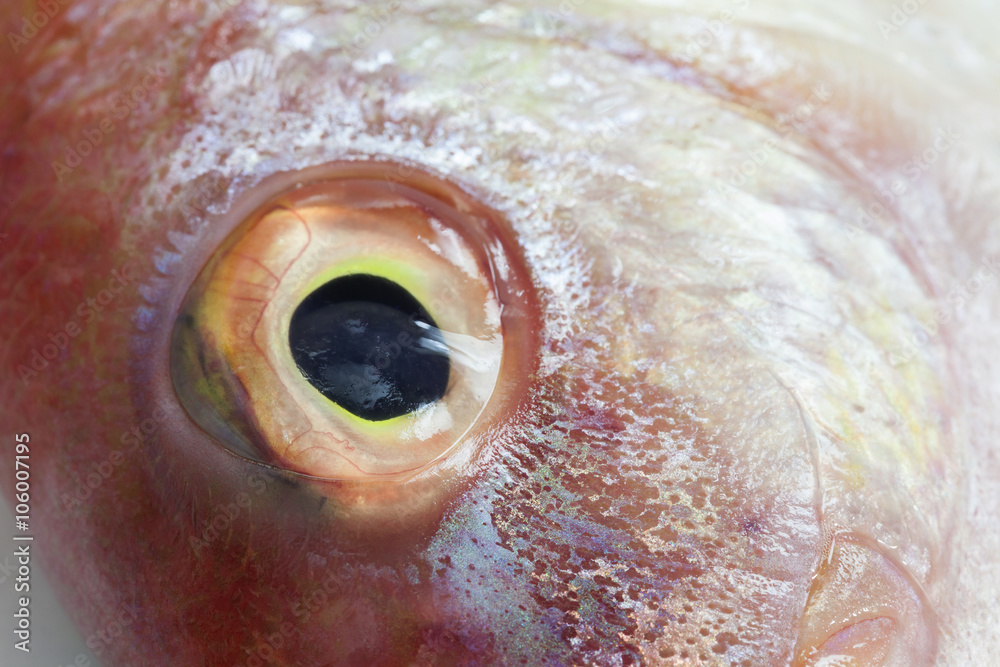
(71, 238)
(123, 545)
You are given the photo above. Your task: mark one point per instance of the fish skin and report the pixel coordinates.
(670, 366)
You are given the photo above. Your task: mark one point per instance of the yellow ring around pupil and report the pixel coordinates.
(404, 275)
(408, 277)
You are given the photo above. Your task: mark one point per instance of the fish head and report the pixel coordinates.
(683, 417)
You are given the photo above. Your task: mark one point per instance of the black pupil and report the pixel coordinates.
(369, 346)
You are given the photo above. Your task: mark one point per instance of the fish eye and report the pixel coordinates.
(357, 328)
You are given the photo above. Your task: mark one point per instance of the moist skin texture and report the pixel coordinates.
(741, 383)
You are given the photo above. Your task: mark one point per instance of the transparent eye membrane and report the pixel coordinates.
(358, 327)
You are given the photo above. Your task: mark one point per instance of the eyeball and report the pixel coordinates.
(359, 327)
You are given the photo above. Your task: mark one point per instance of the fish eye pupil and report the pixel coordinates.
(368, 345)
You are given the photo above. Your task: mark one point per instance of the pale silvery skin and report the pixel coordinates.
(696, 170)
